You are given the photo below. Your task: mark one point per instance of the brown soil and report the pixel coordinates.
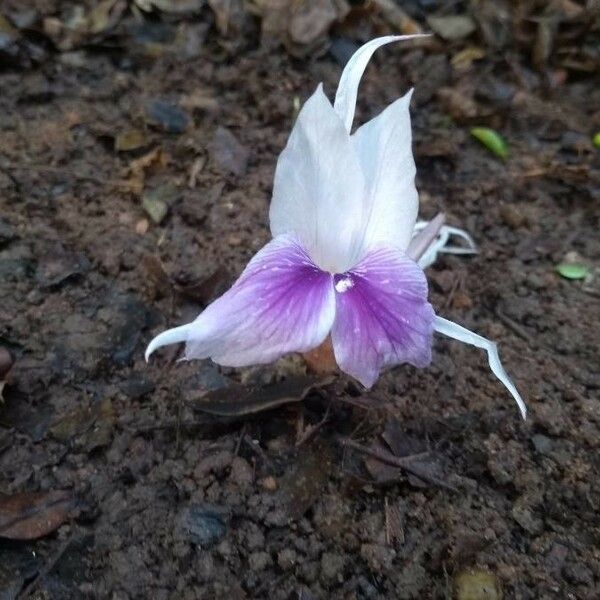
(175, 504)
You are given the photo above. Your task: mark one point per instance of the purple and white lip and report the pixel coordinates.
(347, 254)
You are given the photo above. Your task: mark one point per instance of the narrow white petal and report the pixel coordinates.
(319, 189)
(461, 334)
(345, 97)
(440, 243)
(171, 336)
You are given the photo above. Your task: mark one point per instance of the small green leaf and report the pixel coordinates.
(492, 140)
(572, 270)
(596, 140)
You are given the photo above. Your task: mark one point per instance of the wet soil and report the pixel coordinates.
(103, 247)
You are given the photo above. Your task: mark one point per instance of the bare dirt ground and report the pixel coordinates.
(137, 153)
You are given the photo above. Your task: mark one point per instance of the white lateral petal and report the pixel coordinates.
(318, 193)
(345, 97)
(384, 149)
(461, 334)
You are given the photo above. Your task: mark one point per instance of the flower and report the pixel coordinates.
(343, 258)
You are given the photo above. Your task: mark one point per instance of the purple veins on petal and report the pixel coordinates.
(281, 303)
(382, 315)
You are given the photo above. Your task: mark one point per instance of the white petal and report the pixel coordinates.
(166, 338)
(345, 97)
(318, 194)
(385, 153)
(440, 243)
(461, 334)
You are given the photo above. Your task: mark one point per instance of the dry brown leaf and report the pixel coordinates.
(31, 515)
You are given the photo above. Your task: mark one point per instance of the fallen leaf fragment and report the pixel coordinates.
(477, 585)
(492, 140)
(31, 515)
(237, 400)
(572, 270)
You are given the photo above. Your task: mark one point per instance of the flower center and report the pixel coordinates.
(343, 283)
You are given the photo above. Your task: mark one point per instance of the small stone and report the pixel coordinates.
(258, 561)
(541, 443)
(203, 524)
(286, 559)
(141, 227)
(269, 483)
(526, 519)
(166, 116)
(213, 463)
(241, 473)
(137, 386)
(228, 153)
(332, 565)
(512, 216)
(156, 202)
(157, 209)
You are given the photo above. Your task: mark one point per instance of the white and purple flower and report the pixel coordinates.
(347, 254)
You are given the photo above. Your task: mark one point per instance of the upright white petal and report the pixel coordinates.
(345, 97)
(462, 334)
(319, 188)
(384, 148)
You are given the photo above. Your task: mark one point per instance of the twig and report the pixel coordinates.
(46, 570)
(256, 447)
(312, 430)
(514, 327)
(240, 439)
(17, 184)
(402, 462)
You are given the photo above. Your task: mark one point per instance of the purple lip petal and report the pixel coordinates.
(383, 317)
(281, 303)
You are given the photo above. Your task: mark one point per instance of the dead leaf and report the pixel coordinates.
(31, 515)
(135, 174)
(105, 15)
(156, 276)
(176, 7)
(401, 21)
(423, 471)
(452, 27)
(300, 487)
(83, 423)
(228, 14)
(463, 60)
(238, 400)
